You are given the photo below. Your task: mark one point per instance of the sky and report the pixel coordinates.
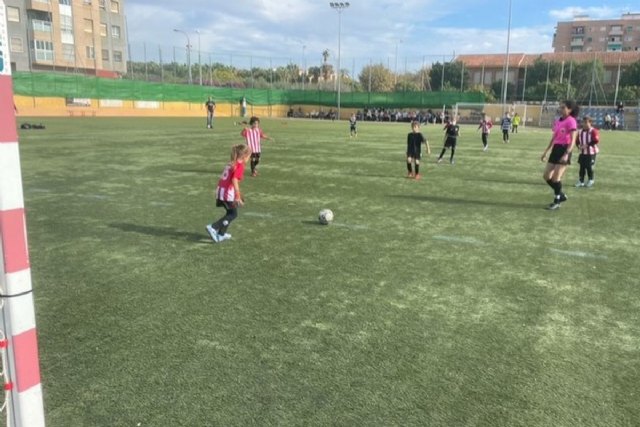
(271, 33)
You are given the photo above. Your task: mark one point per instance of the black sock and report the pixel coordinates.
(409, 166)
(453, 151)
(417, 168)
(551, 184)
(444, 150)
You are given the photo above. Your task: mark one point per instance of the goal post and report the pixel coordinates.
(472, 113)
(18, 340)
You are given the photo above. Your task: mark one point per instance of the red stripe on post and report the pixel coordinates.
(14, 240)
(8, 132)
(25, 350)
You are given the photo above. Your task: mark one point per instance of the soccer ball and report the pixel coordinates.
(325, 216)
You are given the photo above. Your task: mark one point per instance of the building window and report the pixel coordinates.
(87, 2)
(101, 3)
(16, 44)
(91, 52)
(88, 25)
(105, 54)
(68, 52)
(117, 56)
(44, 1)
(115, 31)
(115, 6)
(103, 30)
(13, 14)
(42, 26)
(66, 22)
(43, 50)
(65, 2)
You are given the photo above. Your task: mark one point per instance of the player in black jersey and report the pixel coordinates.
(415, 139)
(451, 134)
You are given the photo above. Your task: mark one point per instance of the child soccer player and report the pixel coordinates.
(515, 123)
(505, 124)
(415, 139)
(588, 139)
(254, 135)
(228, 193)
(485, 126)
(451, 134)
(352, 126)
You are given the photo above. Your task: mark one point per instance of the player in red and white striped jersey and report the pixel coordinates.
(228, 193)
(254, 135)
(485, 125)
(588, 140)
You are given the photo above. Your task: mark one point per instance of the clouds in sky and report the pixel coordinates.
(282, 31)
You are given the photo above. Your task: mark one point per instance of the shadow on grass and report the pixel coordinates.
(513, 181)
(454, 201)
(163, 232)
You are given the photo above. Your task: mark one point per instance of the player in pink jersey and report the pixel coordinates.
(565, 132)
(228, 193)
(254, 135)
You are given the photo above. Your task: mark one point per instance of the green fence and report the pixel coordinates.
(80, 86)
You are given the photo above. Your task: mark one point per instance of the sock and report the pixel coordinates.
(417, 168)
(444, 150)
(409, 167)
(453, 151)
(550, 184)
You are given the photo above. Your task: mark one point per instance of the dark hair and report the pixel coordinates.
(573, 106)
(253, 120)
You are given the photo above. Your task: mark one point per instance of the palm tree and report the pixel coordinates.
(325, 55)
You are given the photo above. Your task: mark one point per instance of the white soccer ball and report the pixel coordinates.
(325, 216)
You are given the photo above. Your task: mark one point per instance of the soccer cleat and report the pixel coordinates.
(486, 147)
(553, 206)
(579, 184)
(224, 237)
(563, 198)
(254, 173)
(453, 162)
(410, 175)
(418, 176)
(439, 160)
(213, 233)
(590, 183)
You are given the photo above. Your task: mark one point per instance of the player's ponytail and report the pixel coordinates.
(238, 152)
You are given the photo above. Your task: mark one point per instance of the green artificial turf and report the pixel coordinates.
(456, 300)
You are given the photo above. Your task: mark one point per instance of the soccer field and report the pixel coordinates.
(455, 300)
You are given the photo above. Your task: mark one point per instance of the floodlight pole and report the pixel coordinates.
(505, 83)
(188, 53)
(339, 7)
(199, 61)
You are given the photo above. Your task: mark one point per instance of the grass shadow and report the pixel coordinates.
(162, 232)
(454, 201)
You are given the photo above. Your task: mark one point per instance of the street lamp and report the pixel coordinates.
(339, 7)
(199, 62)
(188, 53)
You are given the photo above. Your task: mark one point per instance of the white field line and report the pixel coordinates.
(578, 254)
(458, 239)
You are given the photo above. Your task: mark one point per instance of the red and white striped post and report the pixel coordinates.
(24, 391)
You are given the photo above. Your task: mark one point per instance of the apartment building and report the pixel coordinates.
(610, 35)
(88, 36)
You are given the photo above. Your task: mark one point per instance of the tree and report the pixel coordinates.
(315, 73)
(381, 78)
(631, 75)
(453, 73)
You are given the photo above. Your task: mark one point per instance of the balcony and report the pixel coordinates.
(43, 5)
(577, 42)
(616, 32)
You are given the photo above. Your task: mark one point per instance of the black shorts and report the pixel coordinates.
(414, 151)
(556, 155)
(226, 204)
(450, 142)
(255, 155)
(587, 160)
